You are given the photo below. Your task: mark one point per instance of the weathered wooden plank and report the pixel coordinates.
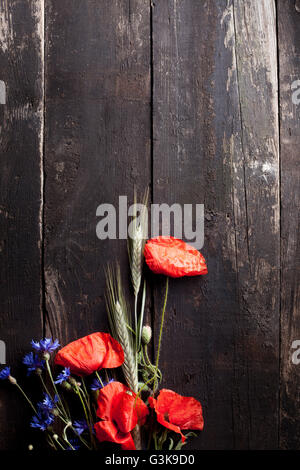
(21, 142)
(289, 66)
(97, 147)
(216, 142)
(258, 222)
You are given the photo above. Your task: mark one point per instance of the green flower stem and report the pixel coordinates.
(62, 417)
(149, 367)
(142, 388)
(147, 363)
(141, 319)
(161, 331)
(87, 397)
(67, 409)
(69, 444)
(54, 387)
(81, 439)
(130, 329)
(162, 439)
(85, 389)
(146, 355)
(136, 329)
(26, 397)
(44, 385)
(65, 437)
(155, 441)
(87, 400)
(157, 362)
(68, 425)
(142, 359)
(78, 391)
(57, 441)
(51, 442)
(74, 430)
(87, 417)
(99, 378)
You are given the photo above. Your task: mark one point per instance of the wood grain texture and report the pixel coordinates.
(216, 142)
(21, 137)
(289, 62)
(97, 147)
(183, 95)
(257, 223)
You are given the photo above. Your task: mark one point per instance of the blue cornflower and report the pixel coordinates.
(63, 376)
(33, 362)
(5, 373)
(96, 384)
(42, 420)
(75, 443)
(45, 345)
(44, 416)
(48, 404)
(80, 426)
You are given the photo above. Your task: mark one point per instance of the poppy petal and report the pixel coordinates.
(161, 419)
(117, 403)
(176, 412)
(108, 431)
(88, 354)
(125, 414)
(141, 410)
(114, 356)
(185, 412)
(109, 398)
(173, 257)
(129, 412)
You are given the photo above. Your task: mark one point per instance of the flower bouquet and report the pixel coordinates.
(86, 403)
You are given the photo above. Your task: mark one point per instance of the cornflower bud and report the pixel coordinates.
(12, 380)
(74, 382)
(66, 385)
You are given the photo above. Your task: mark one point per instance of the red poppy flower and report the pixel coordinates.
(91, 353)
(176, 412)
(173, 257)
(121, 412)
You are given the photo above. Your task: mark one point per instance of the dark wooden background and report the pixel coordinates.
(193, 98)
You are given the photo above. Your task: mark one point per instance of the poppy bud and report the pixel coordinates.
(146, 334)
(30, 447)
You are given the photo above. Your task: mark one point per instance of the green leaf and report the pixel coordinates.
(171, 445)
(181, 444)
